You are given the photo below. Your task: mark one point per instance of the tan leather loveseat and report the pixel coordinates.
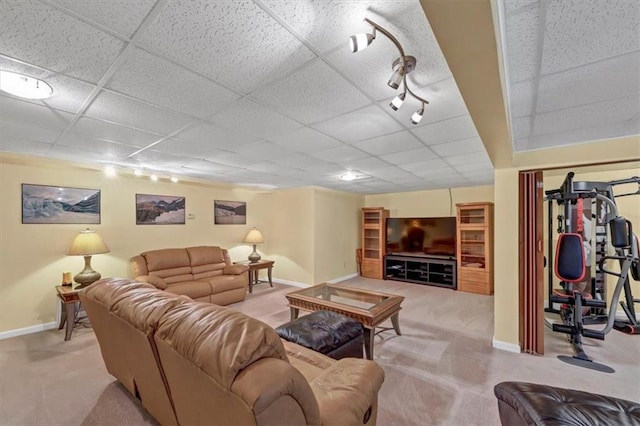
(195, 363)
(203, 273)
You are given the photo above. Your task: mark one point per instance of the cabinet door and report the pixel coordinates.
(472, 248)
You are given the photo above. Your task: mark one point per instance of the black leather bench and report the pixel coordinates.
(522, 403)
(327, 332)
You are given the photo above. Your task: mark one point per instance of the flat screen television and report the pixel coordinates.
(422, 236)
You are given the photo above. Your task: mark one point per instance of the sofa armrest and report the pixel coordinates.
(347, 391)
(235, 269)
(152, 279)
(262, 385)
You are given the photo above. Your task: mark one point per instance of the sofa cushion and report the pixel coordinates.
(106, 290)
(226, 283)
(159, 260)
(218, 340)
(193, 289)
(207, 271)
(206, 255)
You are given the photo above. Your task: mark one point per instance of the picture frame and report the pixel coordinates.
(48, 204)
(229, 212)
(160, 209)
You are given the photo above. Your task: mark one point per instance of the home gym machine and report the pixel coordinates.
(581, 296)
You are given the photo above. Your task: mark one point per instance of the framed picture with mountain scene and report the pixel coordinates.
(159, 210)
(59, 204)
(229, 212)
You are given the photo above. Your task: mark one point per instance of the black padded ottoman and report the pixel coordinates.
(527, 404)
(327, 332)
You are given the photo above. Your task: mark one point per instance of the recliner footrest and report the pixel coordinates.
(327, 332)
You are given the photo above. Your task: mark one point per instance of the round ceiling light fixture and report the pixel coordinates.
(349, 176)
(24, 86)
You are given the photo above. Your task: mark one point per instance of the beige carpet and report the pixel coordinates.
(441, 371)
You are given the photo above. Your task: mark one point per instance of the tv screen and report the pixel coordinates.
(421, 236)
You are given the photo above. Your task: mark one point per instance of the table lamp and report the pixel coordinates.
(87, 243)
(254, 236)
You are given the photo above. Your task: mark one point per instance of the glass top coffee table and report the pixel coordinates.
(370, 308)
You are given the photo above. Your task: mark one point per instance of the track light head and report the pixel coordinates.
(396, 78)
(417, 116)
(398, 101)
(360, 41)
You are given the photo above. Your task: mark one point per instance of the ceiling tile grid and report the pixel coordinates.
(14, 109)
(113, 132)
(39, 34)
(358, 125)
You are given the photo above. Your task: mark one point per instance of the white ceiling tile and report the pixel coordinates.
(367, 164)
(391, 172)
(324, 168)
(520, 99)
(458, 147)
(607, 79)
(264, 167)
(142, 73)
(435, 164)
(160, 160)
(476, 157)
(340, 154)
(453, 129)
(68, 94)
(434, 174)
(23, 146)
(113, 132)
(235, 43)
(298, 161)
(521, 45)
(479, 175)
(11, 130)
(201, 149)
(305, 140)
(82, 155)
(396, 142)
(411, 156)
(118, 109)
(210, 167)
(591, 115)
(39, 34)
(254, 120)
(121, 16)
(25, 112)
(294, 97)
(518, 6)
(520, 127)
(582, 32)
(109, 149)
(474, 167)
(205, 133)
(262, 149)
(359, 125)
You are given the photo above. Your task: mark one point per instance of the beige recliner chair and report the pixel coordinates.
(219, 366)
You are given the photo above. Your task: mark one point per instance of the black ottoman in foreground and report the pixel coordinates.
(327, 332)
(522, 403)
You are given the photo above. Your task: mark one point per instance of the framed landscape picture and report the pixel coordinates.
(229, 212)
(159, 210)
(59, 204)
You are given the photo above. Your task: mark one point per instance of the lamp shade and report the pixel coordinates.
(254, 237)
(87, 243)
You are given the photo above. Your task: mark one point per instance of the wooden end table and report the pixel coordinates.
(70, 304)
(254, 269)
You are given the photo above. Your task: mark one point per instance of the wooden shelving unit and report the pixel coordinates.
(474, 247)
(373, 241)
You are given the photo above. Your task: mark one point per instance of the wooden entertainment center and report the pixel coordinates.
(470, 270)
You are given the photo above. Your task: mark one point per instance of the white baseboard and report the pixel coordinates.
(287, 282)
(297, 284)
(509, 347)
(28, 330)
(346, 277)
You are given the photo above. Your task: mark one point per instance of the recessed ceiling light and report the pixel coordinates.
(348, 176)
(24, 86)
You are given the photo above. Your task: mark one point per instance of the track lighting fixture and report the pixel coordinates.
(401, 66)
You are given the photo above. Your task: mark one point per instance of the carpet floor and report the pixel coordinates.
(440, 371)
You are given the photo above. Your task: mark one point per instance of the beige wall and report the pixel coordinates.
(337, 233)
(432, 203)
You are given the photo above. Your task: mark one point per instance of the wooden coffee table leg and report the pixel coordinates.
(294, 312)
(369, 335)
(396, 324)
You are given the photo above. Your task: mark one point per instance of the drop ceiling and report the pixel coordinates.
(268, 93)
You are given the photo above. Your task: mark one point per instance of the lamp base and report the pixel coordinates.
(254, 257)
(87, 276)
